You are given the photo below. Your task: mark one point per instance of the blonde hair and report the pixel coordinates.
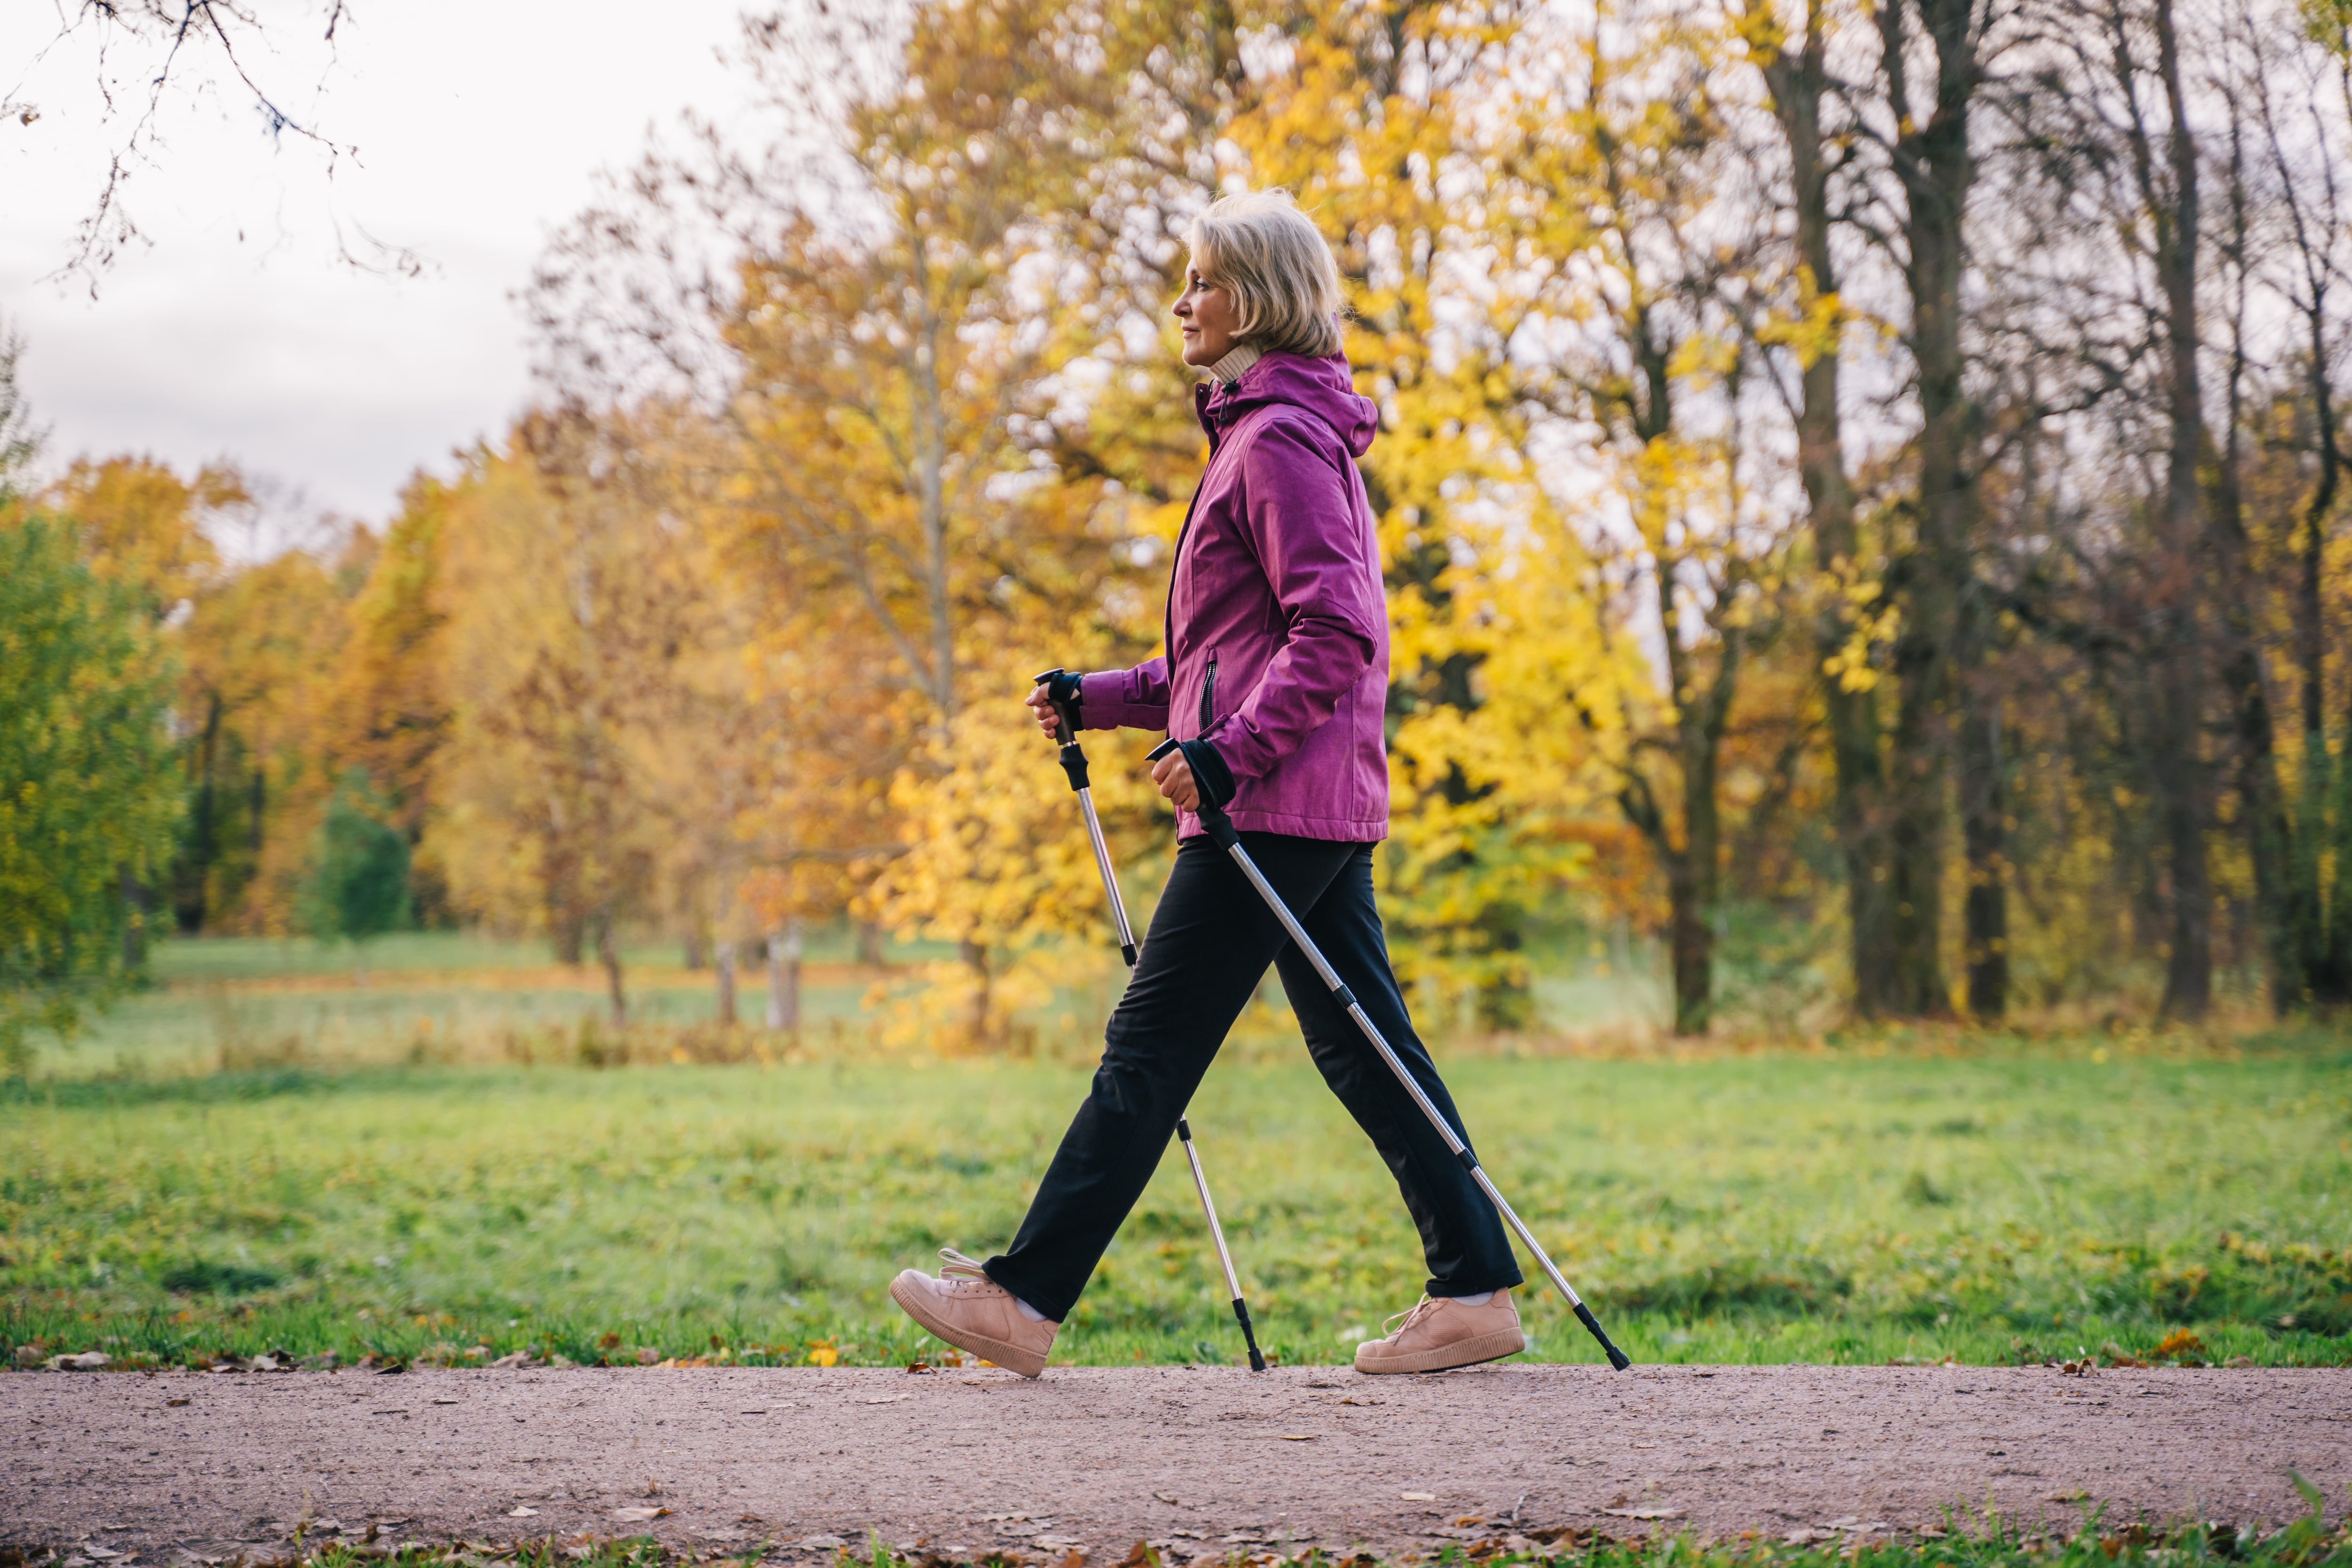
(1261, 249)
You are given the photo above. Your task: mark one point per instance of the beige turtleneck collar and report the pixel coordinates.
(1238, 358)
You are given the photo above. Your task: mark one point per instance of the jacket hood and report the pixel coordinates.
(1323, 387)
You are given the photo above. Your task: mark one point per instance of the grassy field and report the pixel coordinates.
(244, 1003)
(2000, 1201)
(2305, 1543)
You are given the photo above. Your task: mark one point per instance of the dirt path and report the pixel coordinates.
(1202, 1460)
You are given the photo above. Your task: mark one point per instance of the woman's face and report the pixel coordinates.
(1208, 315)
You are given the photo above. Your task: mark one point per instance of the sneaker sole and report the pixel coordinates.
(1012, 1357)
(1446, 1358)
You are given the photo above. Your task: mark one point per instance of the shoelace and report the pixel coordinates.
(958, 1267)
(1412, 1316)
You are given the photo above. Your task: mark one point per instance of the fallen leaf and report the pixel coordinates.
(1418, 1496)
(885, 1399)
(1169, 1498)
(519, 1511)
(1644, 1512)
(444, 1402)
(176, 1401)
(87, 1361)
(1297, 1437)
(638, 1515)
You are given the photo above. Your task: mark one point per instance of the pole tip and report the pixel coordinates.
(1257, 1361)
(1619, 1359)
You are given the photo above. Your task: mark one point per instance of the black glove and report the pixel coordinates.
(1210, 774)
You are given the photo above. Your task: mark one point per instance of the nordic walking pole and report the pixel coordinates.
(1074, 763)
(1221, 830)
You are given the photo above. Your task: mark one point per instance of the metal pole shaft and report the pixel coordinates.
(1217, 1234)
(1461, 1151)
(1109, 877)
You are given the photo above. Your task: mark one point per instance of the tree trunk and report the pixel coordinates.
(2262, 804)
(608, 953)
(1933, 162)
(194, 882)
(784, 977)
(723, 955)
(568, 932)
(1691, 939)
(1915, 827)
(1798, 82)
(138, 901)
(2189, 973)
(975, 954)
(1984, 805)
(696, 948)
(869, 945)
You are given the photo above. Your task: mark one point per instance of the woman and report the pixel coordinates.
(1275, 680)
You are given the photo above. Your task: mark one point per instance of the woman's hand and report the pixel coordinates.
(1174, 774)
(1041, 706)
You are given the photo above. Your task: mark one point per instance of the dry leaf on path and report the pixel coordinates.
(1644, 1512)
(519, 1511)
(1418, 1496)
(638, 1515)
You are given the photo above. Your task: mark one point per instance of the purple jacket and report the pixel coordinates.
(1277, 631)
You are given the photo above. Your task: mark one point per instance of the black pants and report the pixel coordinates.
(1211, 940)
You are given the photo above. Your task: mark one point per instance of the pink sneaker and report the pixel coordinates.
(972, 1311)
(1442, 1334)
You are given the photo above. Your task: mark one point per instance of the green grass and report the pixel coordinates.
(1992, 1206)
(1970, 1542)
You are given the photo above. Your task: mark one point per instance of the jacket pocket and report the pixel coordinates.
(1209, 695)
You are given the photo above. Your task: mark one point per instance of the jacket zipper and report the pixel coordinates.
(1209, 696)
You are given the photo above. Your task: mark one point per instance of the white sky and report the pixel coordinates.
(236, 332)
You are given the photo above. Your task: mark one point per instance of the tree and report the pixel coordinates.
(142, 57)
(1818, 155)
(88, 796)
(358, 887)
(567, 603)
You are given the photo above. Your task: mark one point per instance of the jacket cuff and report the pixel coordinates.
(1237, 749)
(1214, 779)
(1103, 704)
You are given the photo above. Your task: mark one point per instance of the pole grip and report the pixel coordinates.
(1213, 820)
(1066, 731)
